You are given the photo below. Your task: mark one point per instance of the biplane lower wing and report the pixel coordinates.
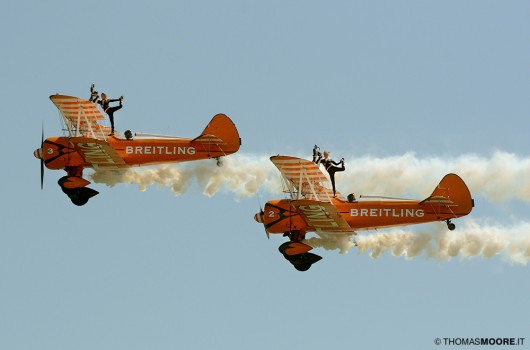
(321, 216)
(98, 153)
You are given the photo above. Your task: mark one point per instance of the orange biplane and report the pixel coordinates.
(86, 145)
(312, 208)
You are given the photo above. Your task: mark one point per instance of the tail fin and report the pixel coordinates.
(452, 192)
(221, 130)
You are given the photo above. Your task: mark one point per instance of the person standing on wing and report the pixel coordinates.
(329, 164)
(105, 104)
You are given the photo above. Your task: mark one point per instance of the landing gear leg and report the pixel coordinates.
(450, 225)
(296, 235)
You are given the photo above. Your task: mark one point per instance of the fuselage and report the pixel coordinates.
(63, 152)
(280, 217)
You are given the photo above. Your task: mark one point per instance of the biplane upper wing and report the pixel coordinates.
(321, 216)
(305, 178)
(81, 116)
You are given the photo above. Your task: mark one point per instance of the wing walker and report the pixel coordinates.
(312, 206)
(88, 143)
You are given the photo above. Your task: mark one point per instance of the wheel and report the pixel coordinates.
(451, 226)
(302, 267)
(80, 196)
(79, 201)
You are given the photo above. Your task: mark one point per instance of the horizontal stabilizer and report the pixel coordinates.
(438, 200)
(208, 139)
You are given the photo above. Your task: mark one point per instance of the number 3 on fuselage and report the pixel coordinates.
(88, 146)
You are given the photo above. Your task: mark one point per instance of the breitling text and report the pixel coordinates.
(388, 212)
(168, 150)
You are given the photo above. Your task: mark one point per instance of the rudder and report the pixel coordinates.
(452, 191)
(223, 128)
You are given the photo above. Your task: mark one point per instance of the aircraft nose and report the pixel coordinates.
(259, 217)
(38, 153)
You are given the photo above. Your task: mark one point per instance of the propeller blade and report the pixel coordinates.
(42, 160)
(41, 174)
(267, 232)
(262, 213)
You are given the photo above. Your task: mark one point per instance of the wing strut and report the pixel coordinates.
(81, 117)
(303, 178)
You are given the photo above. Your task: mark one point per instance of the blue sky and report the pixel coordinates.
(432, 87)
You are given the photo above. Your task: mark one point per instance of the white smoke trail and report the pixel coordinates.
(501, 177)
(471, 239)
(242, 175)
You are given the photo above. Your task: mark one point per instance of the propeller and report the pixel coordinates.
(259, 217)
(38, 153)
(262, 213)
(42, 159)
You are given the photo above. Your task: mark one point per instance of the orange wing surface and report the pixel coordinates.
(81, 116)
(98, 153)
(321, 216)
(304, 177)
